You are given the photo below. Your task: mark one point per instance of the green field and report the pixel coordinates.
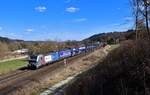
(8, 66)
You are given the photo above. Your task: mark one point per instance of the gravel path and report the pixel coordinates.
(21, 57)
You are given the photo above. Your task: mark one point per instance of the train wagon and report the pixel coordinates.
(65, 53)
(74, 51)
(48, 58)
(82, 49)
(92, 47)
(52, 57)
(55, 56)
(37, 61)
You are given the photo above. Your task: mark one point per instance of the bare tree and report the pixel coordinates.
(136, 14)
(141, 10)
(146, 5)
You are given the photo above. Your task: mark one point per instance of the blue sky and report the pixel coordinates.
(62, 19)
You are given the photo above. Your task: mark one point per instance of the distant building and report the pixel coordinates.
(21, 51)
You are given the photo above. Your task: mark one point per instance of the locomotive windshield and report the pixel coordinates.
(33, 57)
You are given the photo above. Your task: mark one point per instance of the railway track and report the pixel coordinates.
(17, 80)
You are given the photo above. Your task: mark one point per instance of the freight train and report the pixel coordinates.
(36, 61)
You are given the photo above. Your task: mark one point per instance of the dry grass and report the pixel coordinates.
(76, 67)
(125, 71)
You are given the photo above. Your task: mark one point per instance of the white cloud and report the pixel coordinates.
(116, 24)
(118, 8)
(120, 24)
(13, 34)
(43, 26)
(72, 9)
(67, 1)
(29, 30)
(80, 19)
(128, 18)
(1, 28)
(41, 8)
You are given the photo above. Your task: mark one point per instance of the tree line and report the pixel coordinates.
(35, 47)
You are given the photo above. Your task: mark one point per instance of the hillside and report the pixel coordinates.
(35, 47)
(8, 40)
(112, 37)
(9, 45)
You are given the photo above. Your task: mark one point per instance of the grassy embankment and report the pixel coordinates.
(8, 66)
(125, 71)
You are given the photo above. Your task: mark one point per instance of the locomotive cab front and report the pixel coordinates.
(32, 61)
(36, 61)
